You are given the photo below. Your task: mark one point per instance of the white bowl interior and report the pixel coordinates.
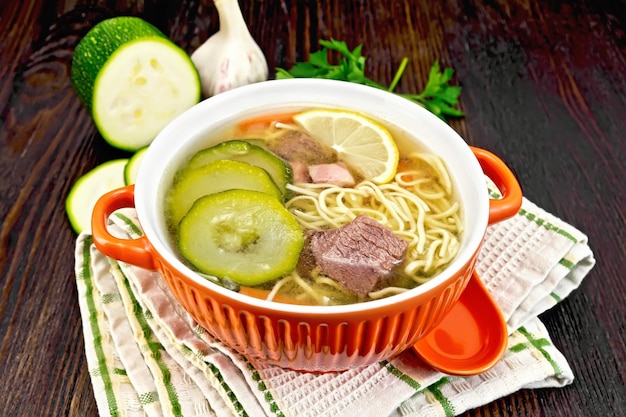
(188, 133)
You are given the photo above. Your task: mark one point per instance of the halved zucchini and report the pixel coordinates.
(133, 79)
(132, 167)
(89, 188)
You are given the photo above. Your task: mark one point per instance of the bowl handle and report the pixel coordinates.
(133, 251)
(511, 201)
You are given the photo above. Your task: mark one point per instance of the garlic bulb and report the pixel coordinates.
(230, 58)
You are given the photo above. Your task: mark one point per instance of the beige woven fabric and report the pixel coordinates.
(148, 357)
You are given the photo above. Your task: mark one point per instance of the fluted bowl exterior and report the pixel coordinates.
(322, 342)
(308, 338)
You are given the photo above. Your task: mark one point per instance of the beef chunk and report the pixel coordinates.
(359, 255)
(296, 146)
(300, 172)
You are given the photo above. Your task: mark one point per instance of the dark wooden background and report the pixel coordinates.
(544, 87)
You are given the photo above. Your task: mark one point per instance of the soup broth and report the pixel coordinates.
(419, 206)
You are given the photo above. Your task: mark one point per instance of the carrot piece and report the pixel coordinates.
(404, 164)
(262, 294)
(265, 120)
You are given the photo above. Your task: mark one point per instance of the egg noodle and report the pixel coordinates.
(417, 206)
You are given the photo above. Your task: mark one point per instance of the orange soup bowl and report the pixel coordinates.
(300, 337)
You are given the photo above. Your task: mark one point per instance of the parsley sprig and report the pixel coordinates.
(438, 96)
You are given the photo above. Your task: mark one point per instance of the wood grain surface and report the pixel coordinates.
(544, 87)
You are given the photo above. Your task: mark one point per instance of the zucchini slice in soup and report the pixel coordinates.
(244, 151)
(242, 235)
(221, 175)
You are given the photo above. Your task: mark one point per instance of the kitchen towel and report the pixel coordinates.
(147, 357)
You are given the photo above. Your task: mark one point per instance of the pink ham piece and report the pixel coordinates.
(336, 174)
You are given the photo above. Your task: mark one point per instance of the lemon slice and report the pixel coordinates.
(363, 144)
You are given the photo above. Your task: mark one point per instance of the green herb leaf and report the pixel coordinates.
(438, 96)
(319, 59)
